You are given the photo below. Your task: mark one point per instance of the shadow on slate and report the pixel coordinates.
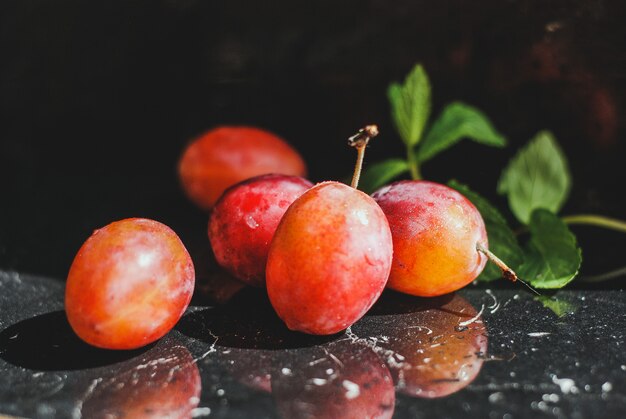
(48, 343)
(247, 321)
(393, 302)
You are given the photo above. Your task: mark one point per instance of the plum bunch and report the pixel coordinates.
(324, 252)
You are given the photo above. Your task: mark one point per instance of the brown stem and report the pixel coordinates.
(359, 141)
(507, 272)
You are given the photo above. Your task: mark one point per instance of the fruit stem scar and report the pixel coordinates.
(359, 141)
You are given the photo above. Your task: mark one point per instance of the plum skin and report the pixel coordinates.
(129, 284)
(329, 260)
(435, 231)
(244, 221)
(226, 155)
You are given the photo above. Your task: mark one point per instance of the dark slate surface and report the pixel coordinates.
(500, 353)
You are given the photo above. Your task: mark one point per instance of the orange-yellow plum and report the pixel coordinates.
(435, 231)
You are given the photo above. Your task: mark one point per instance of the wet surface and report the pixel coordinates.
(490, 353)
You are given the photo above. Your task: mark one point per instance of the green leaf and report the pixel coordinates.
(559, 306)
(537, 177)
(502, 241)
(410, 105)
(552, 258)
(381, 173)
(458, 121)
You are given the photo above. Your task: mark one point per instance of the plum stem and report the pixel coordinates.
(360, 141)
(507, 272)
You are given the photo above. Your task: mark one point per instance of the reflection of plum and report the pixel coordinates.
(251, 367)
(162, 383)
(433, 352)
(338, 380)
(251, 336)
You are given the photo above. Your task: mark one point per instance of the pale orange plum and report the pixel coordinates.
(226, 155)
(129, 284)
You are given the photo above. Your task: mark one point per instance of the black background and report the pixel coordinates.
(98, 99)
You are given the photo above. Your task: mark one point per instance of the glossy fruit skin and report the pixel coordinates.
(129, 284)
(227, 155)
(244, 221)
(435, 230)
(329, 260)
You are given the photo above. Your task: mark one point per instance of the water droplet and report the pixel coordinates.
(362, 217)
(251, 222)
(352, 389)
(496, 397)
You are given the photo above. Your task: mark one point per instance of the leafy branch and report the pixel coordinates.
(410, 110)
(536, 183)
